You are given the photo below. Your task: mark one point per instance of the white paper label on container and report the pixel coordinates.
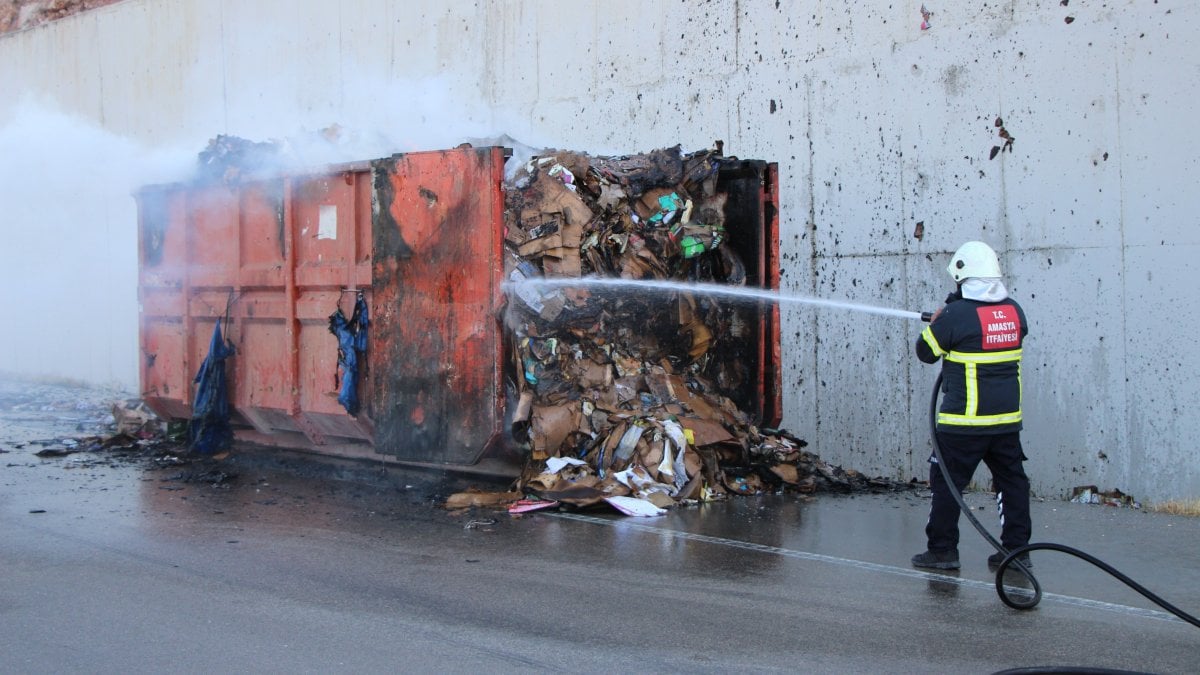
(327, 222)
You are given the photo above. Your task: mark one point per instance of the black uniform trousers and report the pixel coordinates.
(962, 453)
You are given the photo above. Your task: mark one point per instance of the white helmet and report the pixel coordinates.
(974, 259)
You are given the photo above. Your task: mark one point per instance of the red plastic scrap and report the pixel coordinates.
(528, 505)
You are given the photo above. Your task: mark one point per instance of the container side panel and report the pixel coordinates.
(161, 280)
(259, 330)
(286, 251)
(292, 281)
(436, 340)
(163, 253)
(363, 194)
(213, 237)
(741, 355)
(261, 235)
(773, 362)
(319, 381)
(325, 230)
(163, 383)
(261, 373)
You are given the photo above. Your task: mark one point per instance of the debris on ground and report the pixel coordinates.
(133, 419)
(530, 505)
(1090, 494)
(479, 498)
(103, 427)
(204, 474)
(480, 524)
(628, 398)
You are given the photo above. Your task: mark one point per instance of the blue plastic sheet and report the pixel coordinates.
(352, 348)
(209, 430)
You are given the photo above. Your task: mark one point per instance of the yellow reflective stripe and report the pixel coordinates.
(1020, 387)
(984, 357)
(979, 421)
(927, 336)
(972, 377)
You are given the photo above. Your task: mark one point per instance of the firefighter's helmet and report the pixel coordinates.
(974, 259)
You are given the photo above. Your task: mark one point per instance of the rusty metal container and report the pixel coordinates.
(420, 235)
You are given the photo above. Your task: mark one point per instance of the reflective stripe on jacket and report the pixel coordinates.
(979, 344)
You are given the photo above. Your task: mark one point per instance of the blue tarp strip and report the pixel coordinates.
(209, 431)
(352, 347)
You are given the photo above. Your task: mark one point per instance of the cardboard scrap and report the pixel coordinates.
(706, 432)
(478, 498)
(524, 407)
(551, 425)
(788, 473)
(135, 419)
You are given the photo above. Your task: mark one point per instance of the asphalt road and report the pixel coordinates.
(115, 567)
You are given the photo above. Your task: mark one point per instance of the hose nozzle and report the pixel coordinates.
(927, 316)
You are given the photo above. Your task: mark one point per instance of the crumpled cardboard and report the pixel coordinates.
(550, 426)
(524, 407)
(135, 419)
(479, 498)
(705, 431)
(579, 495)
(788, 473)
(588, 374)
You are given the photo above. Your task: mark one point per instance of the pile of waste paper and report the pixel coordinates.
(622, 394)
(1090, 494)
(228, 158)
(232, 159)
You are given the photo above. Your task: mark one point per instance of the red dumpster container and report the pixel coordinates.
(420, 236)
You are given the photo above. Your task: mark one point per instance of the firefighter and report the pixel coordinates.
(978, 336)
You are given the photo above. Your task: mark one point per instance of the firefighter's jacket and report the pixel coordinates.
(980, 347)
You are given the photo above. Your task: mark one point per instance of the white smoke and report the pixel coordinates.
(68, 262)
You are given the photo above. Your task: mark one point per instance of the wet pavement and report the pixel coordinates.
(263, 562)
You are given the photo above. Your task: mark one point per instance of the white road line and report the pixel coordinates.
(863, 565)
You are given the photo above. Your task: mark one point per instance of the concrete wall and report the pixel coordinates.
(877, 124)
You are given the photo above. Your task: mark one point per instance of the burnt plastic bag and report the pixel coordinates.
(352, 349)
(209, 430)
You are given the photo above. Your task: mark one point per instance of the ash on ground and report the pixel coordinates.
(87, 426)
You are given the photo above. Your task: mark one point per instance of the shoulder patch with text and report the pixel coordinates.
(1001, 326)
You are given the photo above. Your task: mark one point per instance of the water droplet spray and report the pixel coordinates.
(542, 285)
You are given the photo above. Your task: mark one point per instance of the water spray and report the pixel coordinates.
(538, 284)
